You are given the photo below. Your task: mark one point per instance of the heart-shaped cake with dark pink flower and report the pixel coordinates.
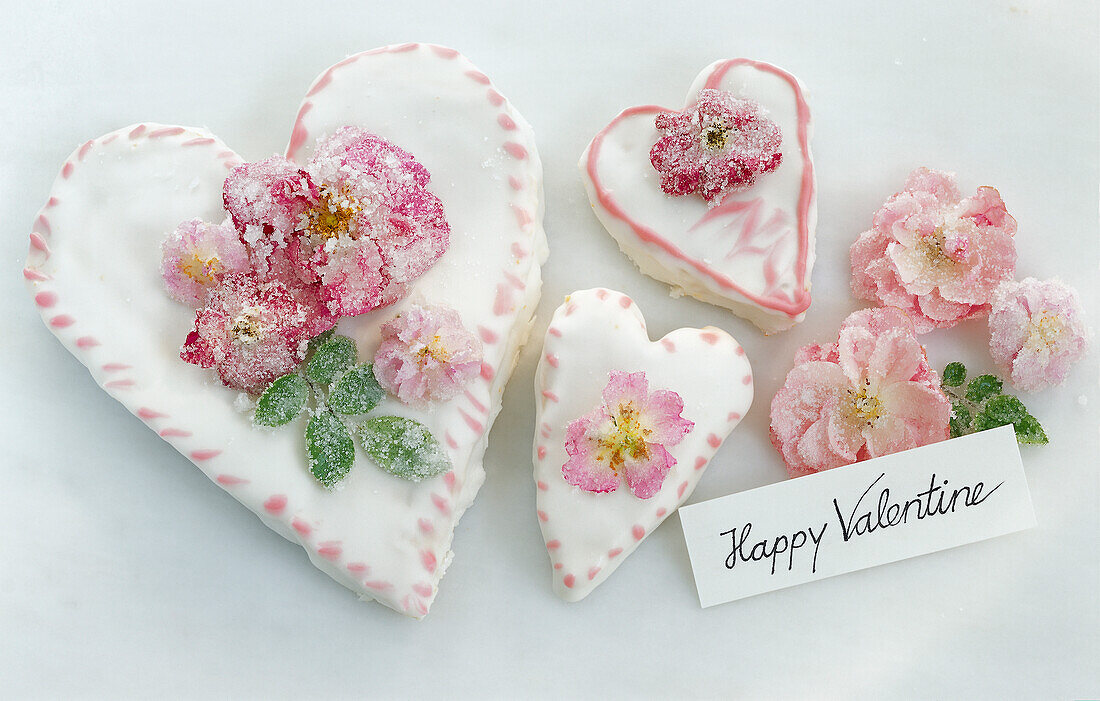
(305, 328)
(718, 199)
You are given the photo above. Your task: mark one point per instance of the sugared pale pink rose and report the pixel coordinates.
(721, 144)
(1037, 332)
(196, 254)
(870, 394)
(934, 255)
(626, 437)
(426, 355)
(252, 331)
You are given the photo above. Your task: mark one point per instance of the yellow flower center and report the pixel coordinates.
(334, 216)
(199, 270)
(435, 350)
(626, 438)
(931, 248)
(247, 327)
(863, 407)
(1046, 330)
(714, 137)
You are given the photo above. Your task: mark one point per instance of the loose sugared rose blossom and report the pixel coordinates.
(720, 144)
(252, 331)
(1037, 332)
(626, 437)
(196, 254)
(934, 255)
(426, 355)
(870, 394)
(376, 227)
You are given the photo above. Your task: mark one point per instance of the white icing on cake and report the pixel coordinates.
(745, 254)
(596, 331)
(94, 272)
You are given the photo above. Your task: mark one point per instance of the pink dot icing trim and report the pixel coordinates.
(427, 558)
(275, 504)
(638, 532)
(515, 150)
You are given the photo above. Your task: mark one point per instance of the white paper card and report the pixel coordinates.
(883, 510)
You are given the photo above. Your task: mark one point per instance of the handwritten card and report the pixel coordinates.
(883, 510)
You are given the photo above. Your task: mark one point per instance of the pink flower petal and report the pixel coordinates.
(646, 477)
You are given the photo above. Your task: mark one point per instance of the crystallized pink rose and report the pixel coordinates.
(253, 331)
(1037, 332)
(934, 255)
(426, 355)
(196, 254)
(376, 228)
(870, 394)
(720, 144)
(626, 437)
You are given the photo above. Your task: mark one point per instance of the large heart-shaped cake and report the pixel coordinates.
(625, 427)
(717, 200)
(95, 272)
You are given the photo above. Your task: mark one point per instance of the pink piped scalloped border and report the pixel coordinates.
(661, 511)
(276, 505)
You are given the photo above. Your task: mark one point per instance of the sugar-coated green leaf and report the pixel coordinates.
(404, 447)
(960, 420)
(329, 447)
(319, 339)
(356, 392)
(282, 401)
(1030, 432)
(330, 359)
(1005, 409)
(954, 374)
(983, 387)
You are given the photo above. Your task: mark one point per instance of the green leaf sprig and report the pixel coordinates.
(342, 389)
(980, 404)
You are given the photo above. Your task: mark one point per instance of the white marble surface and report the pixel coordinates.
(125, 572)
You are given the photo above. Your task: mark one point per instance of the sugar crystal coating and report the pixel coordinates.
(721, 144)
(1037, 332)
(933, 254)
(404, 448)
(869, 394)
(266, 200)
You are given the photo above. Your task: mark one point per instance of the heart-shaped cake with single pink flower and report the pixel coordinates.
(326, 333)
(718, 199)
(625, 428)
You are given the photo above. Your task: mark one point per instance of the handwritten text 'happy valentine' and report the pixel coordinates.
(862, 518)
